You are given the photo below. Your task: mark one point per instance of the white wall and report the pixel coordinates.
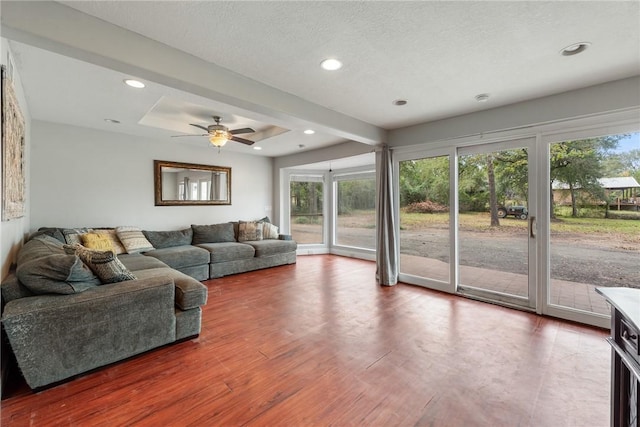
(84, 177)
(12, 232)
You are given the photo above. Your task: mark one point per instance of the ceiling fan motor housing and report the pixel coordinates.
(218, 128)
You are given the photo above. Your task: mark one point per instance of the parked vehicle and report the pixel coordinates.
(517, 211)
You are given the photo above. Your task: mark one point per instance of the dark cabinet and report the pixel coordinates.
(625, 355)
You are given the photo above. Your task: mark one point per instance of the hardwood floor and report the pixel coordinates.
(319, 343)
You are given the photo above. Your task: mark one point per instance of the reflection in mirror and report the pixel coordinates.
(191, 184)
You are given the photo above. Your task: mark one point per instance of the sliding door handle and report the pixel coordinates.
(532, 227)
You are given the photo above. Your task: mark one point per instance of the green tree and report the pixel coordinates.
(473, 189)
(424, 179)
(579, 164)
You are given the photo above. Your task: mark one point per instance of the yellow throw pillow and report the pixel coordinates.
(96, 241)
(115, 241)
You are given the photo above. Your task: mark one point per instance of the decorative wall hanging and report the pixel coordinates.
(13, 165)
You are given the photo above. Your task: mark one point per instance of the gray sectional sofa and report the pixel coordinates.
(61, 320)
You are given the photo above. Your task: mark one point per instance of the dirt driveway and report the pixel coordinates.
(575, 258)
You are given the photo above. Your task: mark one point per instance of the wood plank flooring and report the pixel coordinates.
(319, 343)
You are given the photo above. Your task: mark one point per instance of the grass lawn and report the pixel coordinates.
(627, 230)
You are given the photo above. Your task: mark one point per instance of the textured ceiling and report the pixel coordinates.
(436, 55)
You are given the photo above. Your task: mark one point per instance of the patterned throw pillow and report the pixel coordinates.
(104, 264)
(72, 235)
(111, 233)
(269, 231)
(133, 240)
(96, 241)
(249, 231)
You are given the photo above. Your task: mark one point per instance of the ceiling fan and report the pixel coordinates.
(219, 134)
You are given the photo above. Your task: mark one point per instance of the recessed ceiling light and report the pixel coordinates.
(309, 131)
(331, 64)
(112, 121)
(483, 97)
(575, 48)
(134, 83)
(257, 148)
(400, 102)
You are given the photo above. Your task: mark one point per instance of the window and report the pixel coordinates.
(307, 207)
(355, 211)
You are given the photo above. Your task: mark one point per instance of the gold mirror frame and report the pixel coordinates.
(189, 184)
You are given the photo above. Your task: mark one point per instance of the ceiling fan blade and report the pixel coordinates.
(239, 131)
(179, 136)
(199, 126)
(242, 140)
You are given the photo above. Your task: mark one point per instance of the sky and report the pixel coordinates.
(628, 144)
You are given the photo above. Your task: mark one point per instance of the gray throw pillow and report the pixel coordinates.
(214, 233)
(56, 274)
(168, 239)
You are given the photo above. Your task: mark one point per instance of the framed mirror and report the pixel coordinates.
(178, 184)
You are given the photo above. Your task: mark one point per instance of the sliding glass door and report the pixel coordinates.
(496, 222)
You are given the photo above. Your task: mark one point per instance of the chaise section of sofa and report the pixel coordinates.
(55, 337)
(62, 322)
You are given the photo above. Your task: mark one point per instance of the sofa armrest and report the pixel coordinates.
(55, 337)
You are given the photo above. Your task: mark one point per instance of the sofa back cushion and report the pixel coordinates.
(56, 274)
(214, 233)
(39, 247)
(169, 239)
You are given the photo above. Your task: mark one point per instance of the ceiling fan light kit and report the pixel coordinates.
(219, 138)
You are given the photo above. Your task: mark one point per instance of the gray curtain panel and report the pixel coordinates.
(387, 255)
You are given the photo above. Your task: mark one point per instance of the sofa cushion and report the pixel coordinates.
(135, 262)
(38, 247)
(189, 292)
(273, 247)
(214, 233)
(105, 264)
(56, 274)
(169, 239)
(181, 256)
(229, 251)
(249, 231)
(133, 240)
(100, 242)
(113, 236)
